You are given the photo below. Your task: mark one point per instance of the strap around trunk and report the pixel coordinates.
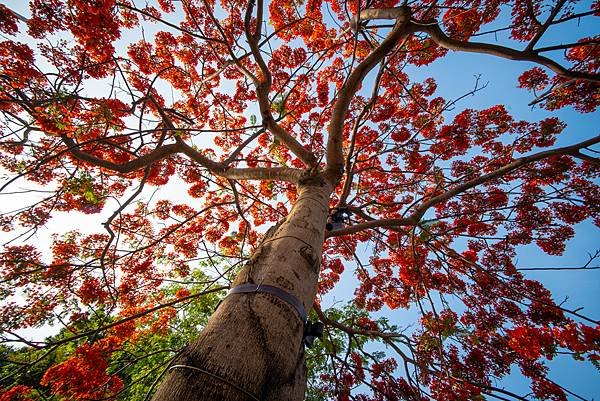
(278, 292)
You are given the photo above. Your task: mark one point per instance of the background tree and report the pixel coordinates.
(253, 114)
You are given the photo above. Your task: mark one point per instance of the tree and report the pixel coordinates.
(293, 115)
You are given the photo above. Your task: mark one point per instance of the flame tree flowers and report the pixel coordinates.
(189, 128)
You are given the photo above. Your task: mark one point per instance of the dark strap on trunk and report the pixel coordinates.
(278, 292)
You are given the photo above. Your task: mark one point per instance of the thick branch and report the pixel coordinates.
(415, 217)
(376, 13)
(546, 25)
(335, 160)
(214, 167)
(351, 330)
(443, 40)
(253, 38)
(254, 173)
(307, 157)
(18, 16)
(264, 173)
(127, 167)
(567, 45)
(587, 158)
(263, 87)
(353, 229)
(257, 173)
(520, 162)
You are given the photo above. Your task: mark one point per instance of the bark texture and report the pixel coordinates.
(251, 348)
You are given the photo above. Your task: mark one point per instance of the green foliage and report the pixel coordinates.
(279, 104)
(27, 365)
(142, 363)
(139, 363)
(83, 185)
(321, 358)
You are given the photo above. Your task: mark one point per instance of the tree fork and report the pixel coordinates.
(251, 347)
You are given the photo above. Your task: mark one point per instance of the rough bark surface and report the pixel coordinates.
(251, 347)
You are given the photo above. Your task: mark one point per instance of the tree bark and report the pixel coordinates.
(252, 347)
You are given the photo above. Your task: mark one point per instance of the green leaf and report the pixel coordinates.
(91, 197)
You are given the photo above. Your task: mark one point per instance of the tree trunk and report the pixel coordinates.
(251, 348)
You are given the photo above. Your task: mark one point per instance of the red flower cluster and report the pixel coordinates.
(84, 375)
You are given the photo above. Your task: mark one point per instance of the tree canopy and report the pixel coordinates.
(185, 129)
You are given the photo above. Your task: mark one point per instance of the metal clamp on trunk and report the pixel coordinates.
(312, 330)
